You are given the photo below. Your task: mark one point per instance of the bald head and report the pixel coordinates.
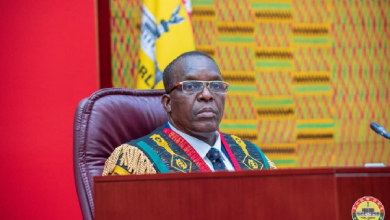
(175, 67)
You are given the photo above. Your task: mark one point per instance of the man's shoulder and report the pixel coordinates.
(243, 143)
(128, 159)
(131, 157)
(145, 137)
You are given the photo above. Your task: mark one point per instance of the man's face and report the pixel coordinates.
(197, 112)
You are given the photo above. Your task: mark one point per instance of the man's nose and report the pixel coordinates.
(205, 94)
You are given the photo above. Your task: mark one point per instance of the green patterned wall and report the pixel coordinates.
(307, 76)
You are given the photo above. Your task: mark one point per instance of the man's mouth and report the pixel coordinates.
(206, 112)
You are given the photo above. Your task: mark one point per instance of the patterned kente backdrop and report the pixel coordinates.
(306, 77)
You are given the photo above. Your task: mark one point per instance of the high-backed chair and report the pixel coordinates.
(105, 120)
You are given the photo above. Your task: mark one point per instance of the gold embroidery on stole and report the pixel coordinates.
(178, 162)
(248, 161)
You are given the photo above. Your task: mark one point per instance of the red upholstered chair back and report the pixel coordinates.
(105, 120)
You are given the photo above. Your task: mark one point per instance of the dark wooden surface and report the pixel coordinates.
(279, 194)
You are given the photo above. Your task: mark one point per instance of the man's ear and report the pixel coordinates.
(166, 102)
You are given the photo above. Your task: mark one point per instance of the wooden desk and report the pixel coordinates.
(270, 194)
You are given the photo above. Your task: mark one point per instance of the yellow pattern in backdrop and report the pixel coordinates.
(306, 77)
(166, 33)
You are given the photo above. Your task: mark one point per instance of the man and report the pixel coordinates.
(190, 140)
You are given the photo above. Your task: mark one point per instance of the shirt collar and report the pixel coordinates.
(200, 146)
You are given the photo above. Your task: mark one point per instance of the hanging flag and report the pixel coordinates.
(166, 32)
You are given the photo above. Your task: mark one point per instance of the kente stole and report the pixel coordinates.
(169, 152)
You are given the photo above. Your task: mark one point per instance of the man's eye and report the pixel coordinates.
(215, 86)
(190, 86)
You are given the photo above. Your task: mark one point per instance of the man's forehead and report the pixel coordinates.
(197, 60)
(194, 64)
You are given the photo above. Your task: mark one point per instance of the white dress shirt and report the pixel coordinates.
(202, 148)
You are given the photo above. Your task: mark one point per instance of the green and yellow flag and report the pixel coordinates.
(166, 32)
